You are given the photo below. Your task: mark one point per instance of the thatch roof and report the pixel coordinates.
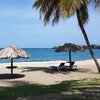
(69, 47)
(13, 52)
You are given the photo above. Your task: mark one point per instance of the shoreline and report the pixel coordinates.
(46, 61)
(39, 73)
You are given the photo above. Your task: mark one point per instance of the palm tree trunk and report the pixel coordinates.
(87, 40)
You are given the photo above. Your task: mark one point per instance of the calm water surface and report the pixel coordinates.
(48, 54)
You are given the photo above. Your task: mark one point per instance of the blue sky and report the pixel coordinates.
(20, 25)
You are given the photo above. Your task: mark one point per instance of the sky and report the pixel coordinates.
(20, 26)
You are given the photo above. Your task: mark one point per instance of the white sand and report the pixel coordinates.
(39, 73)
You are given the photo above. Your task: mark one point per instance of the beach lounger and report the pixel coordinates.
(72, 63)
(60, 67)
(73, 66)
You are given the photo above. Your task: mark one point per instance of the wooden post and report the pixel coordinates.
(70, 58)
(11, 66)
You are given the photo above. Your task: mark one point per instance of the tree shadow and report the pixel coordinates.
(68, 96)
(29, 69)
(46, 70)
(11, 76)
(63, 91)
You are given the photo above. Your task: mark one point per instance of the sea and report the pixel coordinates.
(49, 54)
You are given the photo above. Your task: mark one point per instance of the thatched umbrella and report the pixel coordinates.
(69, 47)
(13, 52)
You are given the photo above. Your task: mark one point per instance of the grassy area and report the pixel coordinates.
(72, 90)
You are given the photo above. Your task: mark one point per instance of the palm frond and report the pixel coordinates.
(83, 13)
(95, 2)
(49, 9)
(70, 6)
(52, 10)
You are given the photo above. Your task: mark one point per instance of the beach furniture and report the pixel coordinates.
(60, 67)
(13, 52)
(69, 47)
(71, 65)
(64, 67)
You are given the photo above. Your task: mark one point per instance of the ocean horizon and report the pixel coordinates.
(49, 54)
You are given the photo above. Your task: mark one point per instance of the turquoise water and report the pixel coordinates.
(48, 54)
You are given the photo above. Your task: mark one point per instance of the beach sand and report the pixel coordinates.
(39, 73)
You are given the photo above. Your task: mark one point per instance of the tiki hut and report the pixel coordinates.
(69, 47)
(12, 52)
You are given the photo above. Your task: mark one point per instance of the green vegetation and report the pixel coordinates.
(93, 46)
(75, 88)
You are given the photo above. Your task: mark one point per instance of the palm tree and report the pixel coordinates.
(53, 10)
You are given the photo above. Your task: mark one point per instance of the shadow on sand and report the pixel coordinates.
(9, 76)
(43, 69)
(47, 70)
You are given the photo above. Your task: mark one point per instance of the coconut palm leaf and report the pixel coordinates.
(52, 10)
(96, 3)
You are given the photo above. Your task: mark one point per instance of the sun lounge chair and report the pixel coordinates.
(63, 67)
(73, 66)
(72, 63)
(60, 67)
